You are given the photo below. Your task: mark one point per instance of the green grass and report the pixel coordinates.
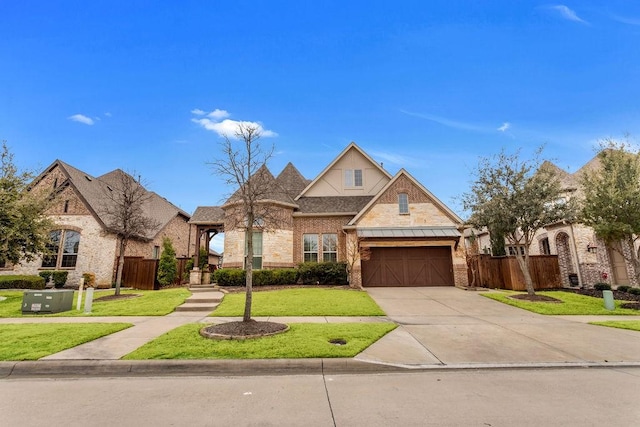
(31, 341)
(572, 304)
(303, 340)
(301, 302)
(150, 303)
(633, 325)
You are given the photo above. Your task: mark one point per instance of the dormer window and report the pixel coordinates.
(403, 204)
(353, 177)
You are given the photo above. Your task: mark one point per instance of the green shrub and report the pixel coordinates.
(623, 288)
(285, 276)
(60, 278)
(229, 277)
(262, 277)
(634, 291)
(168, 264)
(46, 274)
(89, 280)
(602, 287)
(21, 282)
(323, 273)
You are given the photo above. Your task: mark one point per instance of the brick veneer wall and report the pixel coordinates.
(318, 225)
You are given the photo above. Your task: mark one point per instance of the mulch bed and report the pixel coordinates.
(117, 297)
(535, 298)
(243, 330)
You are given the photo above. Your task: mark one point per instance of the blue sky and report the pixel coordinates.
(146, 86)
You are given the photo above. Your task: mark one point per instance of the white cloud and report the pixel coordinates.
(505, 126)
(567, 13)
(625, 20)
(80, 118)
(218, 114)
(446, 122)
(393, 158)
(108, 114)
(198, 112)
(229, 127)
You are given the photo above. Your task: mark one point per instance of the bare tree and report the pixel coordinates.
(243, 166)
(124, 214)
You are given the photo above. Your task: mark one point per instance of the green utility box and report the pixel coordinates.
(47, 301)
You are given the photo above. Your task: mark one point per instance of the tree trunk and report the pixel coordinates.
(249, 272)
(523, 262)
(123, 245)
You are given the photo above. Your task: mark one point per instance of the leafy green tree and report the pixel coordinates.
(168, 264)
(518, 197)
(611, 202)
(24, 226)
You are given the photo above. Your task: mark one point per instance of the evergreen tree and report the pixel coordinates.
(168, 266)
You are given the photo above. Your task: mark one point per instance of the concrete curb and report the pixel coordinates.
(260, 367)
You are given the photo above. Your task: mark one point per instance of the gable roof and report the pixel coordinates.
(444, 208)
(207, 215)
(92, 190)
(270, 188)
(351, 146)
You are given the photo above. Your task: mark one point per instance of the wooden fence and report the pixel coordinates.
(140, 273)
(505, 273)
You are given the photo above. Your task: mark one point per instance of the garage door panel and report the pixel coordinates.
(417, 266)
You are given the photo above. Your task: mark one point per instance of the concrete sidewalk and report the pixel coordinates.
(439, 328)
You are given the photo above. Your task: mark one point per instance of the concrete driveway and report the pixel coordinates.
(451, 326)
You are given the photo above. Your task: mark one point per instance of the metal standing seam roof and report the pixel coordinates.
(396, 232)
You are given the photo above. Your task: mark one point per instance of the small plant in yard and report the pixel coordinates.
(602, 287)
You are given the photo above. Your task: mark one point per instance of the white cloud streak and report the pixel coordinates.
(198, 112)
(228, 127)
(625, 20)
(80, 118)
(446, 122)
(567, 13)
(505, 126)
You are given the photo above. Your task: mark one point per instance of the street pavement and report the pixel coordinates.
(477, 397)
(439, 328)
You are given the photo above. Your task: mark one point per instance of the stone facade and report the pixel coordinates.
(353, 193)
(97, 248)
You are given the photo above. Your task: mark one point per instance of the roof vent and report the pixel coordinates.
(88, 178)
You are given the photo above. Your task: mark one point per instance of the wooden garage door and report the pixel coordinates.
(426, 266)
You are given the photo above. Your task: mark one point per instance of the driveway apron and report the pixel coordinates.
(451, 326)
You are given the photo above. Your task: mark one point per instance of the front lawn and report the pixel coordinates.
(303, 340)
(633, 325)
(31, 341)
(149, 303)
(572, 304)
(301, 302)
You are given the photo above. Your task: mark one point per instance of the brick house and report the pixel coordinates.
(82, 242)
(581, 255)
(391, 229)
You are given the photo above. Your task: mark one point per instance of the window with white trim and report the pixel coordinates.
(353, 177)
(62, 249)
(330, 247)
(403, 203)
(310, 247)
(257, 250)
(513, 250)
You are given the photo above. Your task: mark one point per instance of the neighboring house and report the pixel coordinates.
(82, 242)
(215, 259)
(581, 255)
(390, 228)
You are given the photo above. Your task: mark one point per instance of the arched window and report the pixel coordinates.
(62, 249)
